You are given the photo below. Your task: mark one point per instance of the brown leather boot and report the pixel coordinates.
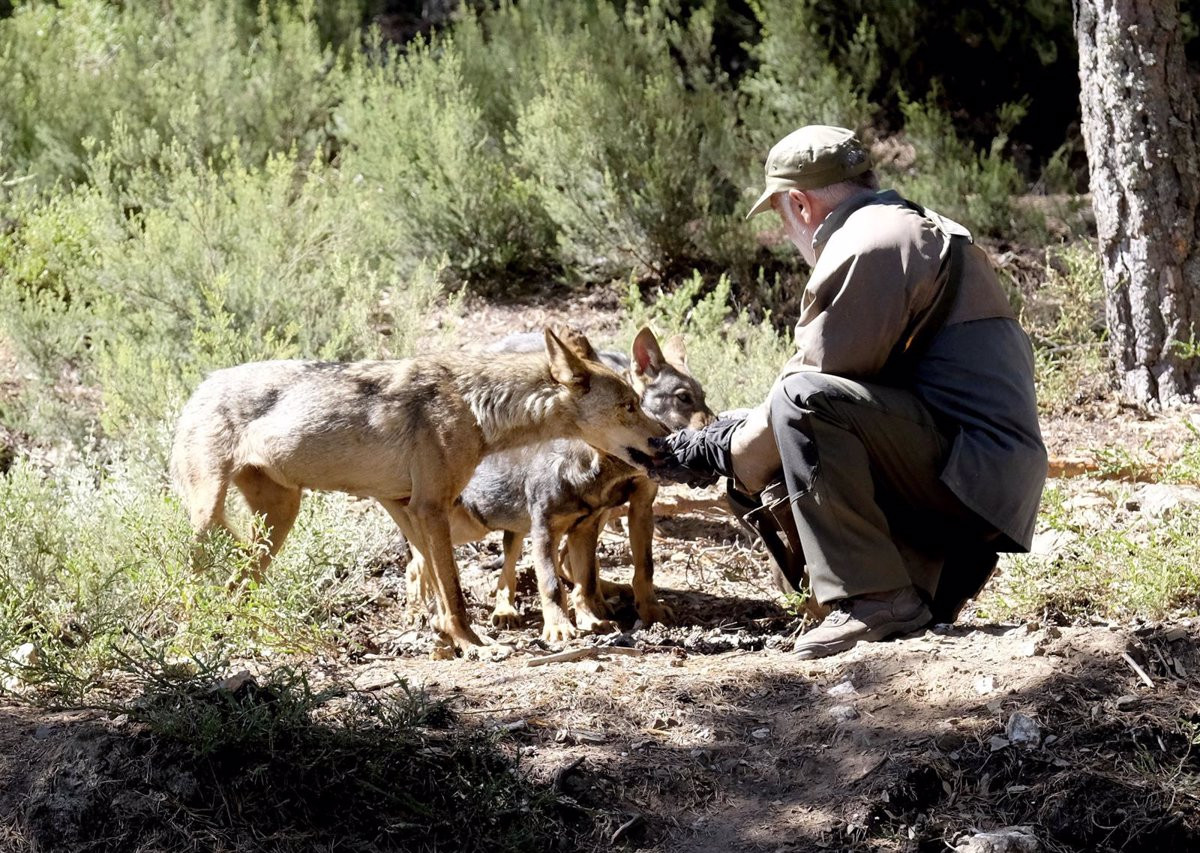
(865, 618)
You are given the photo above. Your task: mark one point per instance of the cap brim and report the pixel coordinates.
(763, 203)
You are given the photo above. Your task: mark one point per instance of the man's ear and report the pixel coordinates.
(675, 352)
(647, 358)
(566, 367)
(803, 205)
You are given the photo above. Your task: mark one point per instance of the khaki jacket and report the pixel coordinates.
(880, 265)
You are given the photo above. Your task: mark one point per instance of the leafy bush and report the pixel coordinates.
(1115, 567)
(94, 561)
(948, 175)
(797, 82)
(442, 180)
(629, 140)
(1065, 319)
(201, 74)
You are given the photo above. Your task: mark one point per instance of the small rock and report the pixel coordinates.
(591, 666)
(26, 654)
(843, 713)
(1031, 649)
(1023, 730)
(1049, 542)
(1011, 839)
(42, 732)
(949, 740)
(761, 734)
(1159, 500)
(236, 682)
(1172, 635)
(844, 688)
(1124, 703)
(997, 743)
(985, 684)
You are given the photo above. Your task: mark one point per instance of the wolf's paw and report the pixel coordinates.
(591, 624)
(558, 630)
(506, 616)
(650, 612)
(490, 653)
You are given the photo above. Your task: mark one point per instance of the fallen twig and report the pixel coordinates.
(1140, 672)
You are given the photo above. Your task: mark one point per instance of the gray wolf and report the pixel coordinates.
(566, 488)
(407, 433)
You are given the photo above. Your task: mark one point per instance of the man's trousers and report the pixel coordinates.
(862, 463)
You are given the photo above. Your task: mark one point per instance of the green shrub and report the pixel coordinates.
(796, 81)
(629, 140)
(442, 180)
(1118, 566)
(950, 176)
(1065, 320)
(94, 562)
(198, 73)
(143, 284)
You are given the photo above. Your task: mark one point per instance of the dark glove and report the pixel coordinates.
(697, 457)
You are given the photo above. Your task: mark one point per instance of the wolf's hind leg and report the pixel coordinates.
(278, 505)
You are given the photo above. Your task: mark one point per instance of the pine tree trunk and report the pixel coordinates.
(1141, 125)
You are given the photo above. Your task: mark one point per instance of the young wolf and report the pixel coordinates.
(408, 433)
(565, 488)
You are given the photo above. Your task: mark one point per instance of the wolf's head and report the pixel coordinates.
(661, 378)
(605, 409)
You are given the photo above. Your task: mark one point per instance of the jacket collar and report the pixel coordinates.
(838, 216)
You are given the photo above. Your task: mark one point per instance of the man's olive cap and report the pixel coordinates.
(813, 156)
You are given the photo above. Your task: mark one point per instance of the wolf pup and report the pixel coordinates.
(565, 488)
(407, 433)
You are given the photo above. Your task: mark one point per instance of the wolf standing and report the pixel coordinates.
(905, 427)
(407, 433)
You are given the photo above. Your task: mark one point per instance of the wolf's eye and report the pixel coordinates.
(630, 406)
(683, 397)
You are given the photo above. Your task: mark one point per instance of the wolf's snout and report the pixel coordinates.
(646, 460)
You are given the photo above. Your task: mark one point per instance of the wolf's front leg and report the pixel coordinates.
(589, 606)
(641, 538)
(505, 614)
(556, 624)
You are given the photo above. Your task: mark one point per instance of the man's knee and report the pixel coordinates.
(801, 393)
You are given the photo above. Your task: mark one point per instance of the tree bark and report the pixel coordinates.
(1141, 125)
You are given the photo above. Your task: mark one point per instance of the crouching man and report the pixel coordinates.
(899, 449)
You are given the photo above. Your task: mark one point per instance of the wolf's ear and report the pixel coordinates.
(577, 342)
(675, 352)
(647, 358)
(566, 367)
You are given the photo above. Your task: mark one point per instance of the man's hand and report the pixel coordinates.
(697, 457)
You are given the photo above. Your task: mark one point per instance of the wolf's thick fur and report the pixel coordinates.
(565, 488)
(408, 433)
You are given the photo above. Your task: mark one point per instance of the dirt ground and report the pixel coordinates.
(708, 735)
